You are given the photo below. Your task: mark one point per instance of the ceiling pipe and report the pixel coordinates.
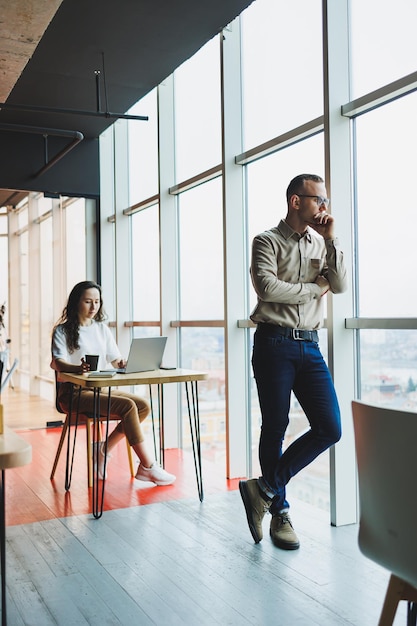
(75, 135)
(39, 109)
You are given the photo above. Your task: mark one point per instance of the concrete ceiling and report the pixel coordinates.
(22, 25)
(50, 51)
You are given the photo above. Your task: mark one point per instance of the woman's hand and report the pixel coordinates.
(121, 363)
(85, 367)
(71, 368)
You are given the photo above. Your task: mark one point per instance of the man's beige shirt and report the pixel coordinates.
(284, 267)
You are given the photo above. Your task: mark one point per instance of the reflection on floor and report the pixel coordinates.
(31, 496)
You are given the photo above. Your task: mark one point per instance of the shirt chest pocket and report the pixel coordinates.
(316, 267)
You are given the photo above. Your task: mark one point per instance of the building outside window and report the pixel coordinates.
(201, 299)
(387, 253)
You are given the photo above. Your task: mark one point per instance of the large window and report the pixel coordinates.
(383, 42)
(198, 113)
(24, 326)
(24, 302)
(46, 295)
(143, 150)
(386, 251)
(386, 208)
(145, 265)
(282, 90)
(75, 242)
(47, 257)
(201, 298)
(201, 252)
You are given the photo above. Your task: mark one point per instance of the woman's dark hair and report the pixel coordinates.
(69, 316)
(297, 184)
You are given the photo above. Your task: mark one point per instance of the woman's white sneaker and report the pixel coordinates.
(155, 474)
(99, 455)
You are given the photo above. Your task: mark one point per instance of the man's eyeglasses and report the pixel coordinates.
(319, 199)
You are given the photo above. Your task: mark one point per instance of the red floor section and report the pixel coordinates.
(31, 496)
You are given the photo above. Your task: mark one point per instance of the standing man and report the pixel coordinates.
(293, 266)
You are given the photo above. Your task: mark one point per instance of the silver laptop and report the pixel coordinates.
(145, 355)
(386, 449)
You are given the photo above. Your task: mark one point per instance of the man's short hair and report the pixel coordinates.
(297, 183)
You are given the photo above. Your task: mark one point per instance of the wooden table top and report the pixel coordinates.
(155, 377)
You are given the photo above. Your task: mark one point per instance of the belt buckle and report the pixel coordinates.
(295, 334)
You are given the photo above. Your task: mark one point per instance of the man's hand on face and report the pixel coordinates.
(323, 223)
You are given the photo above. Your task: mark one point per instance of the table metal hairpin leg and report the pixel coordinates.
(161, 425)
(153, 424)
(194, 418)
(70, 455)
(97, 501)
(161, 456)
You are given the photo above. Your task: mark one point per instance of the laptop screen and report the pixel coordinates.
(145, 354)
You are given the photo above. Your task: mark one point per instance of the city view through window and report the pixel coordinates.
(388, 378)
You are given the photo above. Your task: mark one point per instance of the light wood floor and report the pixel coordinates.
(159, 556)
(185, 563)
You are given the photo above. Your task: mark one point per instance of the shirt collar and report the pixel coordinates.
(287, 232)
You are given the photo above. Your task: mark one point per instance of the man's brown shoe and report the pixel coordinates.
(255, 506)
(282, 532)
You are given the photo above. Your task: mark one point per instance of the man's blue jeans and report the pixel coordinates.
(280, 365)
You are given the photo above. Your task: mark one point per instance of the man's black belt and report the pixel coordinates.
(291, 333)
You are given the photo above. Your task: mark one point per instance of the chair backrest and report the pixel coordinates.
(386, 449)
(82, 417)
(57, 385)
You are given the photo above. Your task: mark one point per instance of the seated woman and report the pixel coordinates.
(80, 331)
